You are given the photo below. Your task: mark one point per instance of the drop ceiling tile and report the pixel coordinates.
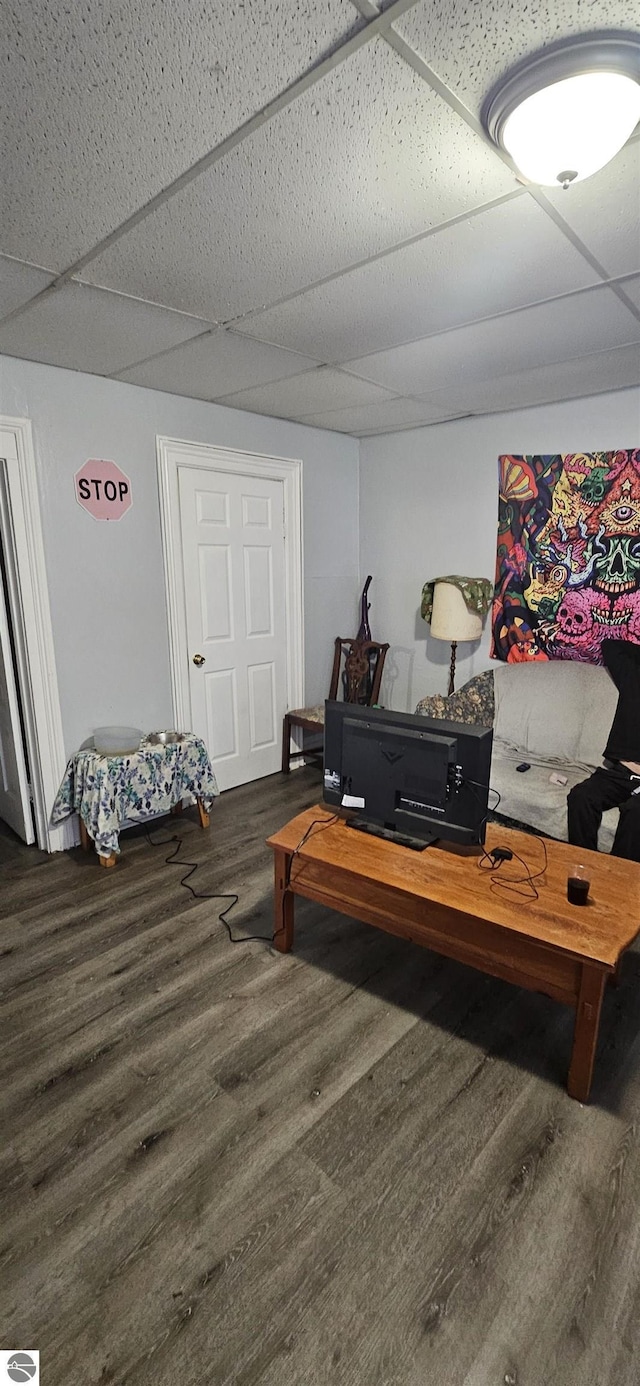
(604, 211)
(373, 418)
(445, 416)
(310, 393)
(106, 104)
(632, 289)
(215, 365)
(471, 45)
(499, 259)
(531, 337)
(584, 375)
(367, 158)
(87, 329)
(19, 283)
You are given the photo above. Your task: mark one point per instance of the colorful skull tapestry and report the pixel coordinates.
(568, 560)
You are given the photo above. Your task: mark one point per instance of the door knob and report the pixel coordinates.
(198, 660)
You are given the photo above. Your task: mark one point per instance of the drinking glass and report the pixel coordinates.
(578, 885)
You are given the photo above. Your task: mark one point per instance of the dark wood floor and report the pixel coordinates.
(356, 1164)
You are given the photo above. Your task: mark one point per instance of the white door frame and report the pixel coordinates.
(173, 453)
(28, 600)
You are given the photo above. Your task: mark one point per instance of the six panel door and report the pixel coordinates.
(234, 576)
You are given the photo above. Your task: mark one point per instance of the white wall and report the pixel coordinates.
(429, 506)
(106, 582)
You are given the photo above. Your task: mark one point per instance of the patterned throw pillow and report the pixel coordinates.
(472, 703)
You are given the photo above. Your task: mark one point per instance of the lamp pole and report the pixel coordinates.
(452, 668)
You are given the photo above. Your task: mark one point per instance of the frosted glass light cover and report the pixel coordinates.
(574, 126)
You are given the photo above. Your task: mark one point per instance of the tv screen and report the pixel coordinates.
(410, 778)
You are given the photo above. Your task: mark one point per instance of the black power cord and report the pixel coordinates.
(231, 896)
(491, 861)
(325, 823)
(491, 808)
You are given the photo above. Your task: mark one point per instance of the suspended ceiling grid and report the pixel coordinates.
(289, 207)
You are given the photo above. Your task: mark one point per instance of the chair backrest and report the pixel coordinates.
(357, 670)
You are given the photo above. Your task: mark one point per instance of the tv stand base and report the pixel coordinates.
(417, 844)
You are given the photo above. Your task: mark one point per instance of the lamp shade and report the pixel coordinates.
(451, 618)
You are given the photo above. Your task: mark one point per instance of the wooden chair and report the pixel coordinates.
(355, 678)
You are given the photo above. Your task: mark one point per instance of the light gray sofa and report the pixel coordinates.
(554, 715)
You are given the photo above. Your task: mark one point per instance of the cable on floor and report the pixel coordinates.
(231, 896)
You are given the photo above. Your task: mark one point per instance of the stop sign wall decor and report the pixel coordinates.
(103, 489)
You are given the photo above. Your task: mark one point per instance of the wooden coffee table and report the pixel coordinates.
(440, 898)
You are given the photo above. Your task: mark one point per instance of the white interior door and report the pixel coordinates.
(233, 549)
(15, 798)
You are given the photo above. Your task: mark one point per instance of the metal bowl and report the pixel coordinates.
(165, 738)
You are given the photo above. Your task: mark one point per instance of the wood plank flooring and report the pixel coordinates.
(353, 1165)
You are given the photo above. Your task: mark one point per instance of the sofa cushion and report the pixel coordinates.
(554, 709)
(600, 698)
(472, 703)
(530, 797)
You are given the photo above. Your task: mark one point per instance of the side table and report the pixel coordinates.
(109, 792)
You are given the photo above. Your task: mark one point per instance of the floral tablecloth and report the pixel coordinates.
(110, 791)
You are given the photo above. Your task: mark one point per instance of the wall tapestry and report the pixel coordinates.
(568, 558)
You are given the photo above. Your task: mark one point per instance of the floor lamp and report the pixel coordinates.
(451, 620)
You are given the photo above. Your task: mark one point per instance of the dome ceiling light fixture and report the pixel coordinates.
(565, 112)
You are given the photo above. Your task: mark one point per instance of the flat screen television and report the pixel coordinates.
(409, 778)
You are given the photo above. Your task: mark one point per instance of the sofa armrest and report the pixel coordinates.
(435, 706)
(473, 703)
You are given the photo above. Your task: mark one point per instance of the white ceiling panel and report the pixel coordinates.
(106, 103)
(311, 393)
(332, 256)
(632, 289)
(584, 375)
(89, 330)
(215, 365)
(508, 256)
(471, 43)
(604, 211)
(376, 418)
(369, 157)
(518, 341)
(19, 283)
